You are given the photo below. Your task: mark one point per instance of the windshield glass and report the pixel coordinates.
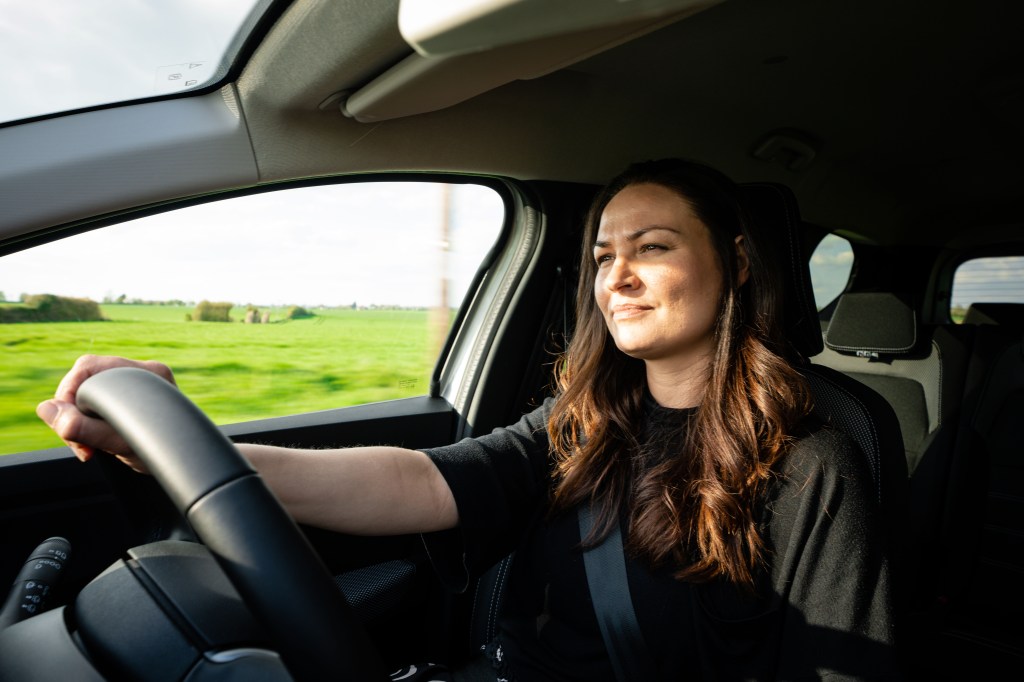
(62, 55)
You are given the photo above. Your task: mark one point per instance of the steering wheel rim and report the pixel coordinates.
(226, 502)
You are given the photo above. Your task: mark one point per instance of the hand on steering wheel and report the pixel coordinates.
(257, 544)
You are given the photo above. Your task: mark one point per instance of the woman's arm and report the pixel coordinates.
(367, 490)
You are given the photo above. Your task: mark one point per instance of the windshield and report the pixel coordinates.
(62, 55)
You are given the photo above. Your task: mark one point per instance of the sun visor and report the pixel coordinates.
(458, 26)
(469, 66)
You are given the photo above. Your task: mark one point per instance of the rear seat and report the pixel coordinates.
(958, 391)
(920, 370)
(979, 625)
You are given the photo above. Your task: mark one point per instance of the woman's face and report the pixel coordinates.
(658, 281)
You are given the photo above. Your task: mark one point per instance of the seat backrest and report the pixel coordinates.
(972, 627)
(839, 399)
(1006, 315)
(919, 369)
(959, 394)
(845, 402)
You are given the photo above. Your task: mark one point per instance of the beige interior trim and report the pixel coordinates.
(421, 84)
(439, 29)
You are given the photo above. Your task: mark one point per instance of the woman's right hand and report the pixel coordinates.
(86, 435)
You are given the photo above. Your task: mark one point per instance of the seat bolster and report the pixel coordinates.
(870, 420)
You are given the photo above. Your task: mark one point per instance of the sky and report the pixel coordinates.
(314, 247)
(989, 279)
(67, 54)
(371, 243)
(831, 263)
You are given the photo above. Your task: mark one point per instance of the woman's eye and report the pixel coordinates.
(651, 247)
(602, 258)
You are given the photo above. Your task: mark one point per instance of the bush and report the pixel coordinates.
(50, 308)
(297, 312)
(212, 312)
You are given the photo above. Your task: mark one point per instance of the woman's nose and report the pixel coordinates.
(622, 275)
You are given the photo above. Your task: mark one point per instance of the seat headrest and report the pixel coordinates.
(774, 210)
(871, 324)
(1009, 315)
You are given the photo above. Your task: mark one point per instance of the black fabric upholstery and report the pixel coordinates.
(872, 323)
(967, 619)
(997, 426)
(488, 597)
(908, 400)
(864, 415)
(774, 210)
(374, 592)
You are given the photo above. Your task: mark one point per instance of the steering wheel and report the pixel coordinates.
(253, 539)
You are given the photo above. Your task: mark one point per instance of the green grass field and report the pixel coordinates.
(233, 371)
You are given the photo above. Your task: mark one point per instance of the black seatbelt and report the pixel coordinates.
(605, 566)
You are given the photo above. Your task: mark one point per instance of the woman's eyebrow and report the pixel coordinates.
(633, 236)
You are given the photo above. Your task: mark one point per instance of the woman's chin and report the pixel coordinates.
(638, 351)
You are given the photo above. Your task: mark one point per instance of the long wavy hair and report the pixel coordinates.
(696, 509)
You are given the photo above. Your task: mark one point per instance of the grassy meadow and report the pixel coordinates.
(232, 371)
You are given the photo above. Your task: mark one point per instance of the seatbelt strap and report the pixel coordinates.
(605, 566)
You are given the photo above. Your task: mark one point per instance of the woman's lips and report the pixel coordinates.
(626, 311)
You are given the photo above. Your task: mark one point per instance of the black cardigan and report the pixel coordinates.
(822, 607)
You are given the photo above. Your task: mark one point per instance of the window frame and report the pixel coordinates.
(941, 285)
(459, 365)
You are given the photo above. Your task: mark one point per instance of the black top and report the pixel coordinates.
(822, 608)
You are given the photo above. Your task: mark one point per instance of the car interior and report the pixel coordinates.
(894, 128)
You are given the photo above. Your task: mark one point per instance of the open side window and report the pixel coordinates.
(269, 304)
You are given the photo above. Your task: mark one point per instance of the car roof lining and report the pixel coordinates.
(899, 165)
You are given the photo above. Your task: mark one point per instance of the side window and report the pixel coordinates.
(987, 280)
(264, 305)
(831, 264)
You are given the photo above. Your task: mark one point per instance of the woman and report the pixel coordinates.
(751, 542)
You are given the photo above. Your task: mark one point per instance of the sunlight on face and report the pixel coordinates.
(658, 282)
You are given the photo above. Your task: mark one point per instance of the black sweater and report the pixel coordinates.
(821, 607)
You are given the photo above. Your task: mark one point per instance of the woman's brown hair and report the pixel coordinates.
(697, 509)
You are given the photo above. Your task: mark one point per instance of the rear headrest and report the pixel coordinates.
(871, 324)
(774, 210)
(1010, 315)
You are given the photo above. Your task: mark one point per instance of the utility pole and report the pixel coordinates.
(440, 315)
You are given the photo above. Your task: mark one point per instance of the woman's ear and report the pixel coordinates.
(742, 261)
